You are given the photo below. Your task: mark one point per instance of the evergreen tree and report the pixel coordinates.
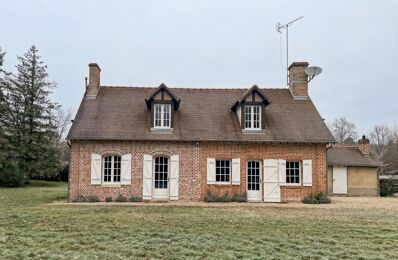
(30, 117)
(3, 141)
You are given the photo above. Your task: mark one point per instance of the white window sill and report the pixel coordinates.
(292, 184)
(253, 131)
(116, 185)
(162, 130)
(222, 183)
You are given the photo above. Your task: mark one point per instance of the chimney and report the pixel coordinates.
(93, 81)
(363, 145)
(298, 80)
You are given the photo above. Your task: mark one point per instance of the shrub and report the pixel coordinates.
(78, 198)
(108, 199)
(12, 176)
(91, 198)
(318, 198)
(388, 187)
(120, 198)
(135, 199)
(240, 197)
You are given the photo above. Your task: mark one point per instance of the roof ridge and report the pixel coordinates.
(191, 88)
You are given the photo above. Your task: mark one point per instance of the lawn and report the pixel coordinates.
(32, 226)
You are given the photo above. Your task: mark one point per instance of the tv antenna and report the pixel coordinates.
(279, 27)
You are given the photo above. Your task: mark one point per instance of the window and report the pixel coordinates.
(252, 117)
(162, 115)
(161, 172)
(223, 171)
(111, 168)
(293, 172)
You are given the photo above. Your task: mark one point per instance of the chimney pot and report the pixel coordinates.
(93, 81)
(298, 80)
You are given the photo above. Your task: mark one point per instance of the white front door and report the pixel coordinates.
(272, 190)
(161, 178)
(339, 180)
(253, 181)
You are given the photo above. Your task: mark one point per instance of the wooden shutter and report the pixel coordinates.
(174, 176)
(126, 170)
(236, 171)
(282, 172)
(272, 190)
(147, 177)
(211, 171)
(96, 169)
(307, 172)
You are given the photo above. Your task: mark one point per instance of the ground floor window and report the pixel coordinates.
(293, 172)
(161, 172)
(111, 168)
(253, 175)
(223, 171)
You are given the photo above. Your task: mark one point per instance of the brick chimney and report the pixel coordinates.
(93, 81)
(298, 80)
(363, 145)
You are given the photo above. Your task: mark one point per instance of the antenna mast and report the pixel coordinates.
(278, 29)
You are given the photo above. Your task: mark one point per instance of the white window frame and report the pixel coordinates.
(230, 172)
(112, 169)
(251, 117)
(163, 120)
(300, 172)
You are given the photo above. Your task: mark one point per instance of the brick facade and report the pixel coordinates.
(193, 166)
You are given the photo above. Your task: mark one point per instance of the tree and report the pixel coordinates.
(379, 138)
(343, 130)
(3, 141)
(30, 117)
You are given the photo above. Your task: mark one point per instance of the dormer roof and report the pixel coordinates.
(253, 91)
(162, 89)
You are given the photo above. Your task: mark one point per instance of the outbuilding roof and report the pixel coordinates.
(349, 156)
(120, 113)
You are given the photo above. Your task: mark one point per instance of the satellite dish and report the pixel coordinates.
(313, 71)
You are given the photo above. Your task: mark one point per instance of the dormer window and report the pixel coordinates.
(252, 117)
(162, 115)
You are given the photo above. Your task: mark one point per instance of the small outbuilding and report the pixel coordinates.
(352, 171)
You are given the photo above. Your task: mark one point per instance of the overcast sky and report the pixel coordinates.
(217, 43)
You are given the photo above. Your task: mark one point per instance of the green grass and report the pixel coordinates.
(30, 227)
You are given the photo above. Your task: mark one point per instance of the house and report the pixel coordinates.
(182, 143)
(352, 171)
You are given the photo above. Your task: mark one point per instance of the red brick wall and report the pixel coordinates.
(193, 160)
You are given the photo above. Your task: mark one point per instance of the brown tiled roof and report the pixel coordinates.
(120, 113)
(349, 156)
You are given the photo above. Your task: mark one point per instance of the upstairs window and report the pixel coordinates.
(111, 169)
(252, 117)
(162, 115)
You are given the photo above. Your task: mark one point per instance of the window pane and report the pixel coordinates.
(293, 172)
(222, 171)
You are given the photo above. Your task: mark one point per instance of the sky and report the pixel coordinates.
(216, 43)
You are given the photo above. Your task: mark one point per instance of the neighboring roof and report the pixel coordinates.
(349, 156)
(120, 113)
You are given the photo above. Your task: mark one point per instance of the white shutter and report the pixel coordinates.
(147, 177)
(96, 169)
(126, 170)
(282, 172)
(174, 176)
(272, 190)
(307, 172)
(211, 171)
(236, 171)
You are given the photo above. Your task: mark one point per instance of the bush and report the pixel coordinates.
(388, 187)
(12, 176)
(121, 198)
(108, 199)
(135, 199)
(318, 198)
(78, 198)
(210, 197)
(91, 198)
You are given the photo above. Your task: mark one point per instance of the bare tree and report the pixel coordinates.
(343, 130)
(63, 122)
(379, 138)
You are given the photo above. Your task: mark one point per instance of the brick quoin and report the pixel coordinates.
(193, 166)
